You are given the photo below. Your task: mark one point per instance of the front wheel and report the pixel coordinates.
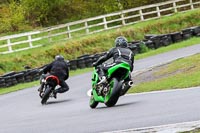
(114, 93)
(93, 103)
(46, 95)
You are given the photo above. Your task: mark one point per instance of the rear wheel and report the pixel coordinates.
(93, 103)
(46, 95)
(115, 91)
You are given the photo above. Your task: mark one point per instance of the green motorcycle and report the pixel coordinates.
(109, 91)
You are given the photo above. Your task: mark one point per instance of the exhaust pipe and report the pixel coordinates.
(130, 83)
(126, 87)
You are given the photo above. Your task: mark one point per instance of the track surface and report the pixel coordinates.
(21, 112)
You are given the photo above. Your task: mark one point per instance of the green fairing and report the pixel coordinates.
(97, 97)
(95, 78)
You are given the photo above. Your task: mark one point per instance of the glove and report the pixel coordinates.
(94, 64)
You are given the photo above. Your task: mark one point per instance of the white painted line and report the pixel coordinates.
(169, 128)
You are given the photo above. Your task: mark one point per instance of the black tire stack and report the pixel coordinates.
(73, 64)
(19, 77)
(13, 78)
(176, 37)
(135, 46)
(153, 41)
(196, 31)
(2, 82)
(187, 33)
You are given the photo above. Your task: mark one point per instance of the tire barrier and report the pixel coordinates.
(95, 57)
(156, 41)
(2, 82)
(161, 40)
(149, 44)
(88, 61)
(10, 80)
(151, 41)
(196, 30)
(31, 75)
(73, 64)
(19, 77)
(176, 37)
(9, 74)
(187, 33)
(81, 63)
(135, 46)
(13, 78)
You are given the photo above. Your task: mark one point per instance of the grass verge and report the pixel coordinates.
(197, 130)
(182, 73)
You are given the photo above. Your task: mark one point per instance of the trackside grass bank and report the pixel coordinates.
(182, 73)
(97, 43)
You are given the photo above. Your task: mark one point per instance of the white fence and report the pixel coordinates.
(18, 42)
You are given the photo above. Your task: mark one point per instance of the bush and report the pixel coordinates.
(11, 17)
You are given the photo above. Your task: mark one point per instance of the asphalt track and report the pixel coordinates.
(21, 111)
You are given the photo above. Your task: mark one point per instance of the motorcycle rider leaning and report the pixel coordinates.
(59, 68)
(120, 53)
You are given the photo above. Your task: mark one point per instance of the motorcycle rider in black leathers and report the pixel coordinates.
(58, 68)
(120, 53)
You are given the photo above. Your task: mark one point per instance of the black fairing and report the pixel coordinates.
(119, 73)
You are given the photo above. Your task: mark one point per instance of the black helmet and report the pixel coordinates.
(59, 57)
(121, 42)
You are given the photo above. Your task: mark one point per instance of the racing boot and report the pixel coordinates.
(55, 94)
(40, 90)
(102, 80)
(102, 76)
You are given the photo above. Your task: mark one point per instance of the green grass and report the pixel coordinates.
(18, 87)
(182, 73)
(196, 130)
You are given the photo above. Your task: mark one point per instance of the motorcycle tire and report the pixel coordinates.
(93, 103)
(46, 95)
(115, 93)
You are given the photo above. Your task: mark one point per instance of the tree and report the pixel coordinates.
(14, 13)
(11, 17)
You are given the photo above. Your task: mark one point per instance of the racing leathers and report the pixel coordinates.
(58, 68)
(119, 54)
